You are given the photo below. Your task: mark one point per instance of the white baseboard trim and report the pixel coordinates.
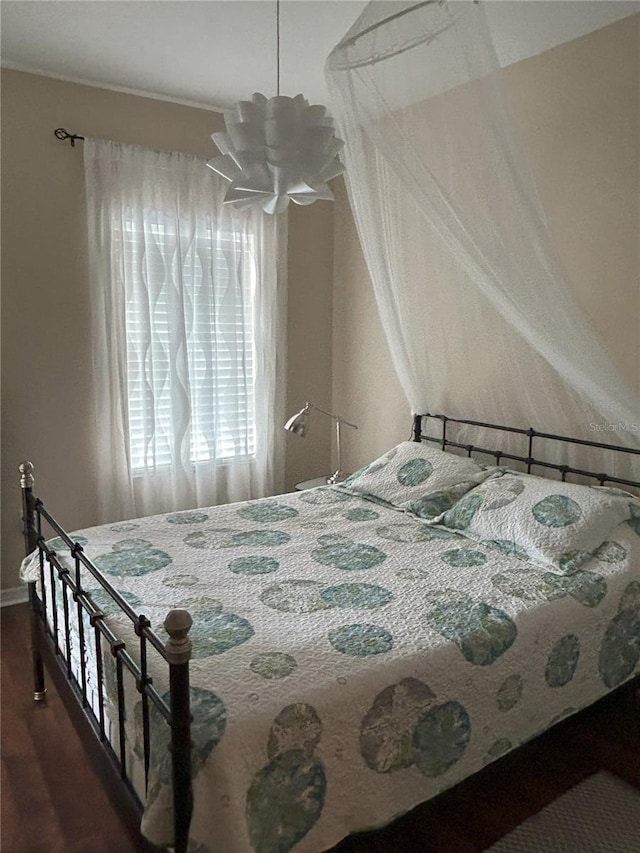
(16, 595)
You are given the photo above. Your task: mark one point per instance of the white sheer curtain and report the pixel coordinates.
(188, 301)
(478, 314)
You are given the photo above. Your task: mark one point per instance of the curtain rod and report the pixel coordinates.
(62, 134)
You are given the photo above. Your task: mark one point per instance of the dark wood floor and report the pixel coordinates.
(53, 802)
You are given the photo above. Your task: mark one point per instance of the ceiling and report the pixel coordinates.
(214, 52)
(208, 53)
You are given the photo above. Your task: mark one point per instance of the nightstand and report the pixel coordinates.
(311, 484)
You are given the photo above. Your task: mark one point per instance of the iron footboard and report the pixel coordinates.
(53, 600)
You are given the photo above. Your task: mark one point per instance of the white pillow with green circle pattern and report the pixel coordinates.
(419, 478)
(553, 524)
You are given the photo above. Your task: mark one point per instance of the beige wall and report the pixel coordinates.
(309, 339)
(577, 109)
(366, 390)
(46, 356)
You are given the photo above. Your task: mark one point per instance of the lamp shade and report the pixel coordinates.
(299, 424)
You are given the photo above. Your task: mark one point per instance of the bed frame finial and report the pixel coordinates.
(178, 653)
(26, 470)
(178, 646)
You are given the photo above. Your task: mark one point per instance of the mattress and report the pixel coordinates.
(351, 661)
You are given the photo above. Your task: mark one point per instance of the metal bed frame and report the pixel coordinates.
(529, 460)
(176, 652)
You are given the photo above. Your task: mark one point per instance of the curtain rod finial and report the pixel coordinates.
(62, 134)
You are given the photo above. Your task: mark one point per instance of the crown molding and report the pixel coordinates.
(139, 93)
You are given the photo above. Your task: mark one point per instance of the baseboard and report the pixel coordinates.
(16, 595)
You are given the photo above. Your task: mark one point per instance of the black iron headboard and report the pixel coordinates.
(529, 460)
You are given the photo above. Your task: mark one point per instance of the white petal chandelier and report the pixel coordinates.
(277, 150)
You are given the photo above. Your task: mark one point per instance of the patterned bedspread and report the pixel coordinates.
(351, 661)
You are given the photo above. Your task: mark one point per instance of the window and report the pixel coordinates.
(189, 339)
(188, 328)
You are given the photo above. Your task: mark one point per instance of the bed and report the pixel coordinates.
(355, 649)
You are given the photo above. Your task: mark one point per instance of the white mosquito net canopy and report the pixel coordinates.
(455, 238)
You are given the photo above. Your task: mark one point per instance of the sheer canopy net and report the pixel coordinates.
(479, 316)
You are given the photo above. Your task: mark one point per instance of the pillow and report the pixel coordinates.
(556, 525)
(418, 478)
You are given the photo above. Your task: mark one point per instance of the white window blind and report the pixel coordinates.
(188, 286)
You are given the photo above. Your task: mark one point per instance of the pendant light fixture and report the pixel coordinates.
(277, 150)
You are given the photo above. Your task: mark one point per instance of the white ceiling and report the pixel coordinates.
(198, 51)
(215, 52)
